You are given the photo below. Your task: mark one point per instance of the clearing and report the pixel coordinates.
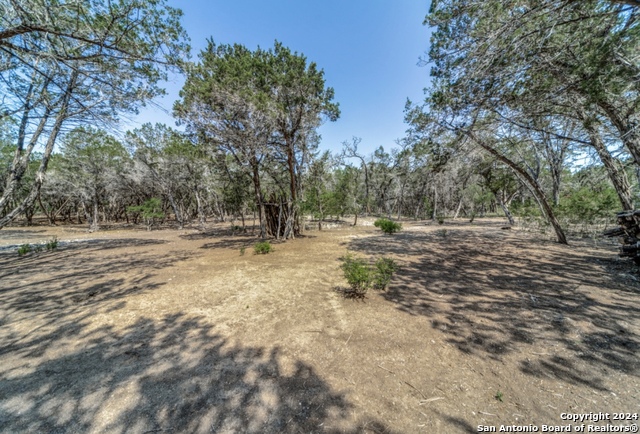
(126, 330)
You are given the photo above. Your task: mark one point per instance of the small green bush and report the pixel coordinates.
(358, 274)
(24, 249)
(361, 276)
(52, 244)
(387, 226)
(440, 220)
(385, 267)
(262, 248)
(242, 250)
(150, 210)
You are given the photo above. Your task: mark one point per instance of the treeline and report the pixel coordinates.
(156, 172)
(533, 83)
(532, 111)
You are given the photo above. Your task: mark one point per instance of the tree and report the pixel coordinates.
(543, 58)
(350, 150)
(93, 164)
(172, 161)
(259, 106)
(79, 61)
(506, 68)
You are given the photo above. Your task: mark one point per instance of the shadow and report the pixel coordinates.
(461, 424)
(12, 234)
(235, 243)
(173, 374)
(74, 358)
(47, 287)
(351, 294)
(203, 235)
(247, 241)
(496, 293)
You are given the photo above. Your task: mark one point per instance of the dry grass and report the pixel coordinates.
(173, 331)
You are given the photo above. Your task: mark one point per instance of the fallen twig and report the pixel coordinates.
(487, 414)
(382, 367)
(426, 401)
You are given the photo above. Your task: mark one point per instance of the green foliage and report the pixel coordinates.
(440, 220)
(384, 269)
(358, 273)
(499, 396)
(52, 244)
(150, 210)
(361, 276)
(24, 249)
(387, 226)
(242, 250)
(263, 248)
(587, 204)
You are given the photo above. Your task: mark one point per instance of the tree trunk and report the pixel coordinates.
(532, 184)
(201, 217)
(505, 208)
(455, 216)
(614, 168)
(94, 218)
(629, 132)
(46, 156)
(293, 225)
(176, 210)
(434, 213)
(259, 200)
(21, 156)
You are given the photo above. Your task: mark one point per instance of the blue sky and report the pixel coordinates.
(368, 49)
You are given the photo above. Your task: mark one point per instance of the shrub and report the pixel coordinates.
(24, 249)
(440, 220)
(358, 274)
(387, 226)
(385, 267)
(150, 210)
(262, 248)
(52, 244)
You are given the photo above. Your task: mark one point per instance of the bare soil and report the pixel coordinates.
(172, 331)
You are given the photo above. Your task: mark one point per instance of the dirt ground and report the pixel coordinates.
(172, 331)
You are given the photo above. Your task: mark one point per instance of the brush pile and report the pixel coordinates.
(628, 234)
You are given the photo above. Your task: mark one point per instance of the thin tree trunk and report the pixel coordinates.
(614, 168)
(201, 217)
(435, 204)
(94, 219)
(629, 132)
(532, 184)
(259, 200)
(505, 208)
(455, 216)
(50, 215)
(46, 155)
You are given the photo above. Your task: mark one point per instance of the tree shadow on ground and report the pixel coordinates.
(172, 374)
(493, 295)
(235, 243)
(13, 234)
(247, 241)
(72, 360)
(43, 291)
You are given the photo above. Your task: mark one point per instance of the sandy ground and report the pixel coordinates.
(172, 331)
